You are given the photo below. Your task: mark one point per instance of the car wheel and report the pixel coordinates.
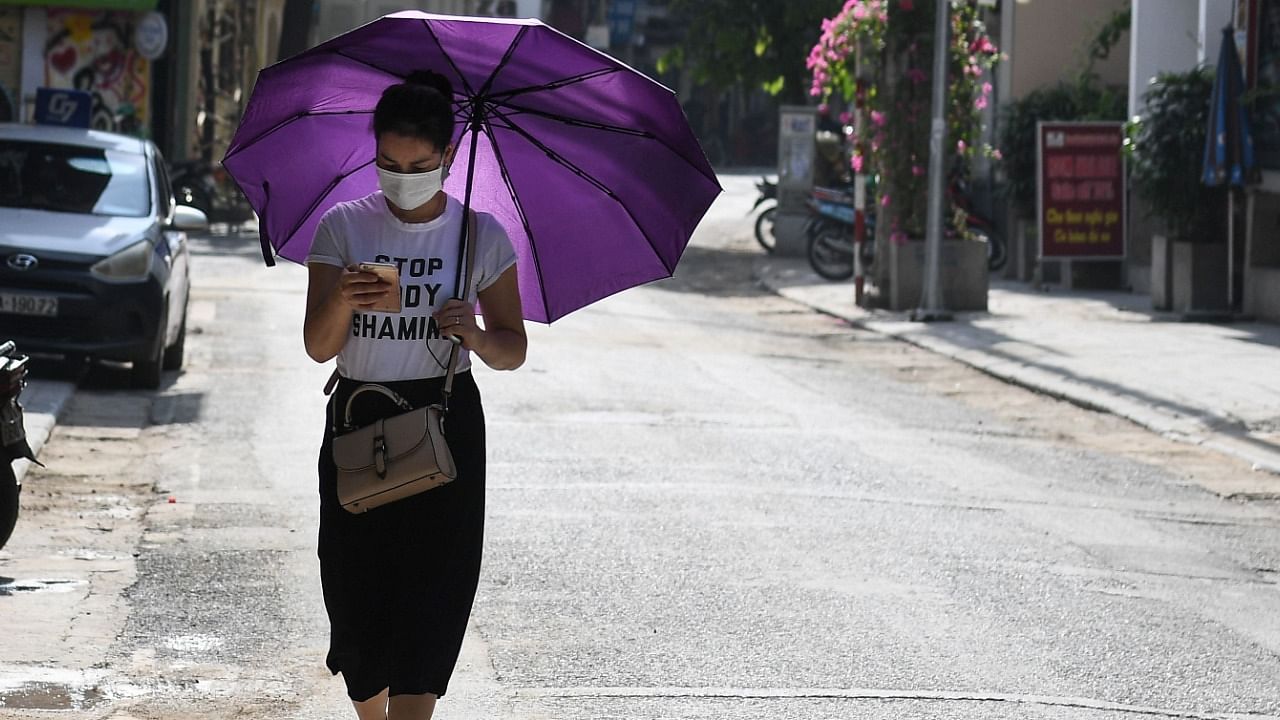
(146, 372)
(9, 492)
(175, 354)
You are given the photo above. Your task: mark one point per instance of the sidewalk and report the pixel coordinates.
(42, 402)
(1207, 384)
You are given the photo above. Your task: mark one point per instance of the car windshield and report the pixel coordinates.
(73, 179)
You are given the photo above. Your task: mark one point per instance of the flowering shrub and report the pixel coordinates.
(878, 55)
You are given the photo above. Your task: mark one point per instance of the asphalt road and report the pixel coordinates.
(704, 502)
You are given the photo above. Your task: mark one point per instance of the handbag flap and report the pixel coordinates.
(402, 434)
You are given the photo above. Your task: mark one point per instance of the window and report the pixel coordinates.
(73, 179)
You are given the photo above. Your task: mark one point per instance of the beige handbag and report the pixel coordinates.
(401, 455)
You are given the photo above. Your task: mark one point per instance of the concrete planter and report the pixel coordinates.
(1198, 277)
(963, 274)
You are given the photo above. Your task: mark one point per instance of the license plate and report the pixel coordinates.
(28, 304)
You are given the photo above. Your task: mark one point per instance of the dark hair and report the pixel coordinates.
(420, 107)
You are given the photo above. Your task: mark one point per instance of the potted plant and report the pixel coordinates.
(1165, 146)
(877, 56)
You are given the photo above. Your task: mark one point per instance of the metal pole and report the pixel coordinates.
(1231, 247)
(932, 308)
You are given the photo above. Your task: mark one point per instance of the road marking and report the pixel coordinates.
(870, 694)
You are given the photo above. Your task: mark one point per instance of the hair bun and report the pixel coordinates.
(431, 79)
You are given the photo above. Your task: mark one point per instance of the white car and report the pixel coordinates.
(93, 248)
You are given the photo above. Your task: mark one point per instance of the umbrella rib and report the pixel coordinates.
(575, 122)
(320, 199)
(249, 143)
(524, 218)
(449, 59)
(569, 165)
(366, 63)
(556, 84)
(506, 58)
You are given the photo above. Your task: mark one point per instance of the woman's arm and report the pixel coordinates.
(502, 343)
(332, 294)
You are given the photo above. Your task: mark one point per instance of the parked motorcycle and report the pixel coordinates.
(205, 186)
(13, 435)
(831, 224)
(765, 220)
(829, 233)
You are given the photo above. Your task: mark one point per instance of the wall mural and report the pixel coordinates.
(10, 62)
(93, 51)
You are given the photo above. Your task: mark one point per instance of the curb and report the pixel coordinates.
(1196, 430)
(43, 402)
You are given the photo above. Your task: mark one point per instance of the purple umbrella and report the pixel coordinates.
(590, 165)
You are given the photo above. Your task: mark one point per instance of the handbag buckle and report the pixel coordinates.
(380, 456)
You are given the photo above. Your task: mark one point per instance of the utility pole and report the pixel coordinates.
(931, 308)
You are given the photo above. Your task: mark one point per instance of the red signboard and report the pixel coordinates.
(1081, 181)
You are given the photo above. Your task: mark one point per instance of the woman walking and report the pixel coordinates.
(400, 579)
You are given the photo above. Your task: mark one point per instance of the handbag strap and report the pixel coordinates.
(466, 238)
(373, 387)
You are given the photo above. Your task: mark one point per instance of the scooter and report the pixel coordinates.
(831, 224)
(206, 187)
(13, 435)
(764, 221)
(829, 234)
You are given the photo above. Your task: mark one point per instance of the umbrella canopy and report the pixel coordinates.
(1228, 147)
(590, 165)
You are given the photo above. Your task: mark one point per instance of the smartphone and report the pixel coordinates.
(388, 273)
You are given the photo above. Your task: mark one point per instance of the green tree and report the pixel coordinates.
(759, 43)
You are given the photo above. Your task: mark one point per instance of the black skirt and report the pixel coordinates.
(399, 580)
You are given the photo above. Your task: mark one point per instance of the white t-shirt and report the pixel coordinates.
(406, 345)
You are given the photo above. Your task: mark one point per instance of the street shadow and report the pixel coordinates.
(714, 272)
(245, 245)
(962, 333)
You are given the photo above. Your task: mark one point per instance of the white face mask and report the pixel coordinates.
(409, 191)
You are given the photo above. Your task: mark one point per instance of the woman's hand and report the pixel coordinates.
(458, 319)
(363, 290)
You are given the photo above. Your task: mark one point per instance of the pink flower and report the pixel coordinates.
(846, 117)
(860, 12)
(856, 163)
(877, 118)
(884, 201)
(917, 170)
(986, 88)
(980, 102)
(997, 154)
(824, 109)
(960, 146)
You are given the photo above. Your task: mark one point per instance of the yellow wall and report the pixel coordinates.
(1051, 39)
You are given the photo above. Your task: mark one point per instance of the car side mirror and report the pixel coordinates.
(186, 217)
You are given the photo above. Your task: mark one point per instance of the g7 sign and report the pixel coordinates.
(71, 108)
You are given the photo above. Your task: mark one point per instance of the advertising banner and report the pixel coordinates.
(1081, 187)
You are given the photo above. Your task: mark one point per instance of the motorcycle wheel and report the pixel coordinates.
(997, 255)
(828, 255)
(9, 492)
(764, 229)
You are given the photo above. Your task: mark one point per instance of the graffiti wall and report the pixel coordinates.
(93, 51)
(10, 62)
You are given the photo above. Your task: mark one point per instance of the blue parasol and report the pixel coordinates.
(1228, 146)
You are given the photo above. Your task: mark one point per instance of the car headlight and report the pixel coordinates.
(131, 263)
